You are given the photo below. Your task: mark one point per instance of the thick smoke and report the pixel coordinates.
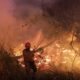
(6, 21)
(22, 20)
(53, 17)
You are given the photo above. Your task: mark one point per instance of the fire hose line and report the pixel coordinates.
(48, 44)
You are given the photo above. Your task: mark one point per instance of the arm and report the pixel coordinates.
(38, 50)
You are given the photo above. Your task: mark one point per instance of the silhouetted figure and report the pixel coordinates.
(30, 66)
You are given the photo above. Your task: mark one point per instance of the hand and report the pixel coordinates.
(40, 49)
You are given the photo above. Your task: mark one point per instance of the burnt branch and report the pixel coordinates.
(72, 46)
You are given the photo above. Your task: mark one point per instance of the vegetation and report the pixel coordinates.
(9, 67)
(11, 70)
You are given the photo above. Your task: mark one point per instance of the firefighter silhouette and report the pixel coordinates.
(29, 62)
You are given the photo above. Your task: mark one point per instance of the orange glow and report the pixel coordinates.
(57, 55)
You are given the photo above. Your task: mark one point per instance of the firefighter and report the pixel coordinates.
(28, 56)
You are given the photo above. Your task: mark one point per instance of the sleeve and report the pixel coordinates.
(38, 50)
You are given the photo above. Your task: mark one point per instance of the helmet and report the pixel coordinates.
(27, 44)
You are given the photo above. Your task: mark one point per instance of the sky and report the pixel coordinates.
(21, 20)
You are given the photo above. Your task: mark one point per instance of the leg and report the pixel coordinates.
(33, 67)
(28, 72)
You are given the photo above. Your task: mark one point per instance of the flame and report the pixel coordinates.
(60, 55)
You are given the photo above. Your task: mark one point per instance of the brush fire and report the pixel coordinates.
(59, 55)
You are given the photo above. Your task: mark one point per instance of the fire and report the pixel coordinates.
(58, 54)
(18, 50)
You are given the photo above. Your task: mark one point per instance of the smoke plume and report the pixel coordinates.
(22, 20)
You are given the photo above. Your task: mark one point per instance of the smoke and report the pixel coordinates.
(22, 20)
(53, 17)
(6, 20)
(41, 22)
(64, 11)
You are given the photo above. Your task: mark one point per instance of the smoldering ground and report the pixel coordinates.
(24, 19)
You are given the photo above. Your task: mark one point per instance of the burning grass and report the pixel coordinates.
(9, 67)
(11, 70)
(59, 61)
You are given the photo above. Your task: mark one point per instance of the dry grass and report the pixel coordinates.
(9, 67)
(11, 70)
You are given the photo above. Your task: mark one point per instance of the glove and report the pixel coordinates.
(40, 50)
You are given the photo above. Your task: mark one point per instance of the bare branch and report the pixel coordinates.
(76, 52)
